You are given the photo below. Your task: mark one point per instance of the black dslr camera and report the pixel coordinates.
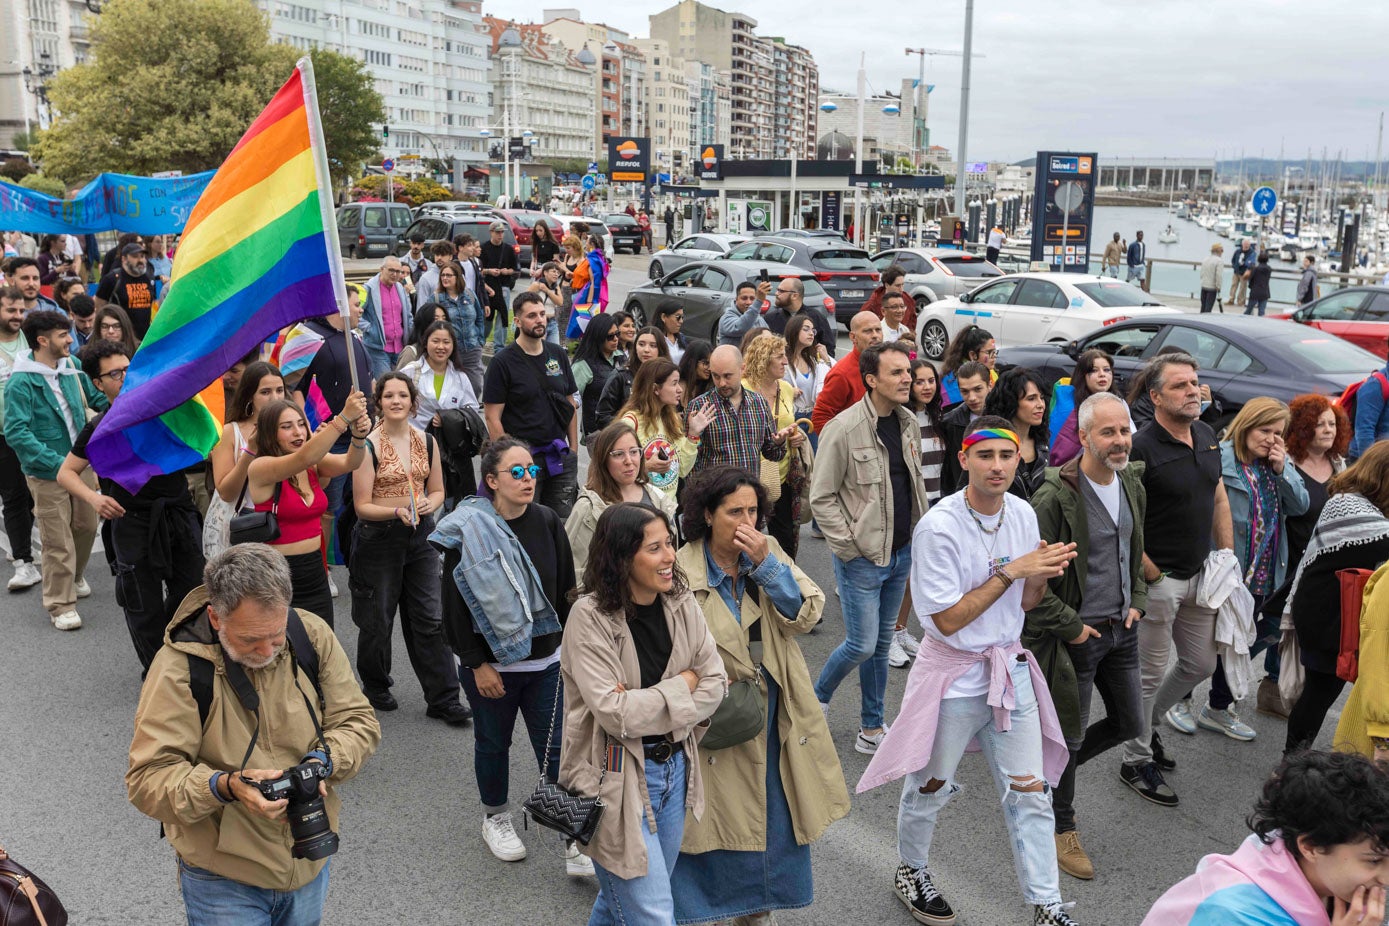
(308, 820)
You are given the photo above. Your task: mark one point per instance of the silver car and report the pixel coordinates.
(706, 288)
(937, 273)
(692, 248)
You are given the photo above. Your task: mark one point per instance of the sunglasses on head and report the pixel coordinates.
(519, 472)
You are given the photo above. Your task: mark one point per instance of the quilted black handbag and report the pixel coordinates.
(24, 899)
(553, 806)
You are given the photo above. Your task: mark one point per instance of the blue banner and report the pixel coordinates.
(143, 205)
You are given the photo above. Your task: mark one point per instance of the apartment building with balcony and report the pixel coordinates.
(541, 86)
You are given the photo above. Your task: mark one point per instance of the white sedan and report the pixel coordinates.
(1034, 308)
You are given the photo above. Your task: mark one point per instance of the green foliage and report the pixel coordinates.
(426, 190)
(174, 84)
(23, 141)
(15, 169)
(49, 186)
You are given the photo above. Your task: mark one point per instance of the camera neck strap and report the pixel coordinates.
(250, 700)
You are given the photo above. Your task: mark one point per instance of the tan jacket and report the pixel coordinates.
(172, 759)
(597, 656)
(583, 520)
(1113, 254)
(850, 490)
(736, 778)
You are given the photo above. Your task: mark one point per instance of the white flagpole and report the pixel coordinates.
(325, 207)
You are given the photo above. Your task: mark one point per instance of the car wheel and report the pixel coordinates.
(638, 314)
(934, 339)
(655, 271)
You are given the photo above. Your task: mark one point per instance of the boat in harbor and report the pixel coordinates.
(1169, 235)
(1224, 224)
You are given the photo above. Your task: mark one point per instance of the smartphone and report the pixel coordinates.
(762, 275)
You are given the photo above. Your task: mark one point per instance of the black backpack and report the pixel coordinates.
(201, 671)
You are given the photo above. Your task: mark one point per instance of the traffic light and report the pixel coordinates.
(385, 133)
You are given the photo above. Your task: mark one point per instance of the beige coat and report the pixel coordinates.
(851, 491)
(736, 778)
(172, 757)
(583, 520)
(597, 656)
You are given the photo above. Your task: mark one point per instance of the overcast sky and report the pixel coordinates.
(1154, 78)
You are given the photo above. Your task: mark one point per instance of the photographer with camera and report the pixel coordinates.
(249, 718)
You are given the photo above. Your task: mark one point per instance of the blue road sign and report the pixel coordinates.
(589, 182)
(593, 167)
(388, 165)
(1265, 200)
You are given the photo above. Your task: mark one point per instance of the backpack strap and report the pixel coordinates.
(201, 671)
(200, 674)
(1383, 384)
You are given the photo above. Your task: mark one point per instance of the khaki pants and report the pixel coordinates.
(1239, 287)
(67, 528)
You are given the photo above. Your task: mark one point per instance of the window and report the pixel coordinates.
(1202, 345)
(1112, 294)
(1041, 294)
(690, 244)
(374, 217)
(995, 294)
(687, 277)
(839, 259)
(1124, 342)
(1378, 309)
(400, 216)
(1235, 360)
(347, 218)
(717, 280)
(1338, 307)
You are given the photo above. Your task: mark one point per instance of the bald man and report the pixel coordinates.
(386, 319)
(790, 302)
(844, 384)
(741, 429)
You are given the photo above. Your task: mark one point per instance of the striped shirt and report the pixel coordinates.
(736, 437)
(932, 456)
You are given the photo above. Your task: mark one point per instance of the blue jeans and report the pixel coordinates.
(532, 695)
(1259, 305)
(1015, 758)
(212, 900)
(647, 900)
(869, 596)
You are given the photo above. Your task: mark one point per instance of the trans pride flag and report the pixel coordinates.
(258, 253)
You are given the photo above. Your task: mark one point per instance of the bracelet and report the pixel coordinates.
(1001, 573)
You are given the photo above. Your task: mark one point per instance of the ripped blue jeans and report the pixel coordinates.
(1015, 758)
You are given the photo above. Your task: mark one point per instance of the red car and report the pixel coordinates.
(521, 222)
(1359, 314)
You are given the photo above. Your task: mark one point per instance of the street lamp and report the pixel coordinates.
(36, 82)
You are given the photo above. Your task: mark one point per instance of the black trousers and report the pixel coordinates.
(18, 505)
(147, 592)
(1208, 297)
(308, 579)
(782, 526)
(1309, 713)
(394, 566)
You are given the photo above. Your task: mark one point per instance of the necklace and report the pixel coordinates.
(991, 535)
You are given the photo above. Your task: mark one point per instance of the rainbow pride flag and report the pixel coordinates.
(259, 253)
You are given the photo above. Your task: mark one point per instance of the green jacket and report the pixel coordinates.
(1047, 627)
(34, 425)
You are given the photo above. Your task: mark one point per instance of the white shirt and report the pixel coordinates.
(996, 238)
(951, 557)
(1108, 495)
(894, 334)
(457, 391)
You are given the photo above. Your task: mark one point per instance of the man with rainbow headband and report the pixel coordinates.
(978, 562)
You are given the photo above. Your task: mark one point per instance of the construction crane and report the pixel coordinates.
(918, 119)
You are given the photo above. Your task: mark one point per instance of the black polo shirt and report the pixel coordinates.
(1180, 482)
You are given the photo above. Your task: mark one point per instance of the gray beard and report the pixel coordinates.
(246, 661)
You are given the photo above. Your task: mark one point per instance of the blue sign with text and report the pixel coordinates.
(143, 205)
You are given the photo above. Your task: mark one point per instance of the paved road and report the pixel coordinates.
(411, 842)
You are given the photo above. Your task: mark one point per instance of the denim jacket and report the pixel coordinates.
(497, 579)
(465, 315)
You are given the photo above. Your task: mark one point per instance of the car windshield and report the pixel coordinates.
(967, 265)
(620, 220)
(841, 259)
(1331, 355)
(526, 219)
(1114, 293)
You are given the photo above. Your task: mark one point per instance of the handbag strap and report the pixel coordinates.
(550, 737)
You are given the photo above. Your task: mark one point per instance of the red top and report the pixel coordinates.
(843, 387)
(298, 521)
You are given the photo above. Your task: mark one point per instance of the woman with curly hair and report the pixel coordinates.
(1319, 435)
(1319, 853)
(1017, 398)
(764, 372)
(641, 672)
(972, 343)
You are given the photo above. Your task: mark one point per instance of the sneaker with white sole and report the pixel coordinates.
(914, 887)
(1053, 914)
(81, 587)
(868, 743)
(1179, 718)
(68, 620)
(907, 641)
(1227, 722)
(825, 709)
(500, 836)
(576, 864)
(26, 575)
(897, 656)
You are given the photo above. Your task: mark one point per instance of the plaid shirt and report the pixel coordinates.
(736, 437)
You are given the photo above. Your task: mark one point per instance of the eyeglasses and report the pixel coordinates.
(988, 353)
(111, 326)
(115, 376)
(624, 454)
(519, 472)
(612, 336)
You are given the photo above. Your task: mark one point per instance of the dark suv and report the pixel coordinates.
(371, 229)
(845, 271)
(625, 231)
(440, 227)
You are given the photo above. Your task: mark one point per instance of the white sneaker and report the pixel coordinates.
(1179, 718)
(897, 656)
(332, 586)
(68, 620)
(576, 864)
(908, 642)
(501, 838)
(26, 575)
(868, 745)
(825, 709)
(81, 587)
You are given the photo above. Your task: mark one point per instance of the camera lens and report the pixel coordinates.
(313, 835)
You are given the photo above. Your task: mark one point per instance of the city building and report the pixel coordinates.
(539, 85)
(711, 106)
(771, 97)
(620, 83)
(668, 107)
(42, 37)
(887, 120)
(1155, 173)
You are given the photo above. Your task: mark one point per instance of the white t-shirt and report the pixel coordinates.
(951, 557)
(996, 238)
(1107, 494)
(893, 334)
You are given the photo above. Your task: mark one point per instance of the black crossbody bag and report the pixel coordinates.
(556, 807)
(257, 526)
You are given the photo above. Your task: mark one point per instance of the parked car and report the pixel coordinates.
(440, 226)
(936, 273)
(843, 270)
(1029, 308)
(1360, 314)
(371, 229)
(819, 233)
(451, 206)
(1240, 356)
(706, 288)
(521, 222)
(624, 231)
(692, 248)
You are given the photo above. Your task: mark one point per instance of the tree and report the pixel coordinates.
(15, 169)
(174, 84)
(23, 140)
(49, 186)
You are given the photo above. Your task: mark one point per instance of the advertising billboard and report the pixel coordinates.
(710, 162)
(629, 159)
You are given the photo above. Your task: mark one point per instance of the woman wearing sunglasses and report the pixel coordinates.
(616, 474)
(507, 638)
(596, 359)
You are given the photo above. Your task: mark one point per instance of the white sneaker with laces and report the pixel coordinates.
(81, 587)
(897, 656)
(68, 620)
(868, 744)
(26, 575)
(825, 709)
(907, 641)
(1227, 722)
(576, 864)
(1179, 718)
(500, 836)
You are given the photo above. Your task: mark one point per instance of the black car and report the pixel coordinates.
(626, 233)
(440, 226)
(1241, 357)
(843, 270)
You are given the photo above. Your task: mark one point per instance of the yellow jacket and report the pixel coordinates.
(1367, 709)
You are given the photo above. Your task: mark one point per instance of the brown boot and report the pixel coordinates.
(1270, 700)
(1071, 858)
